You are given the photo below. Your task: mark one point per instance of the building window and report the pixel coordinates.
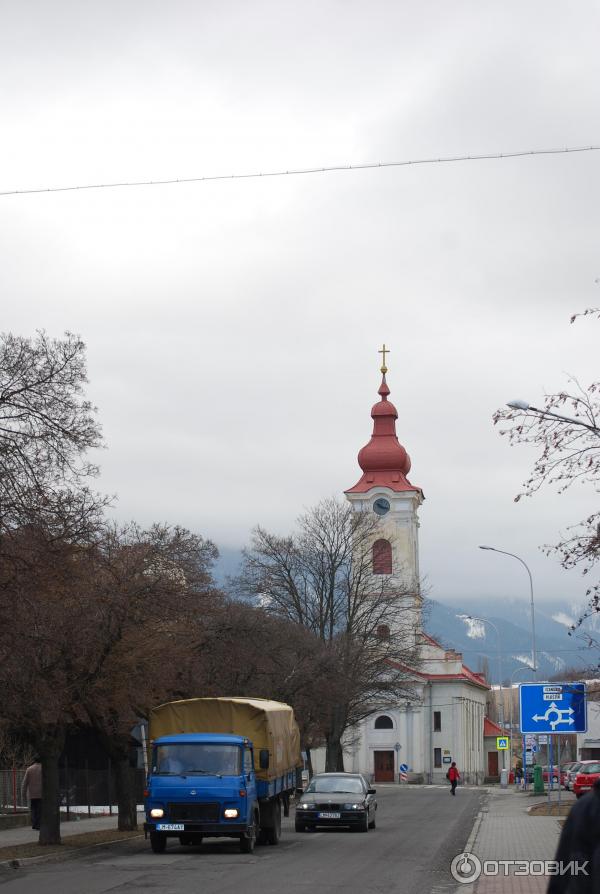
(437, 757)
(384, 722)
(383, 631)
(382, 557)
(437, 721)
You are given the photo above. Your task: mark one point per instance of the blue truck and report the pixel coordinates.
(220, 767)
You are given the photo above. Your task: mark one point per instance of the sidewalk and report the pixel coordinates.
(26, 835)
(505, 831)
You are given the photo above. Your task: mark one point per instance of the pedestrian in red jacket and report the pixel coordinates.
(453, 775)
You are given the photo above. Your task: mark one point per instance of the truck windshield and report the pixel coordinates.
(199, 758)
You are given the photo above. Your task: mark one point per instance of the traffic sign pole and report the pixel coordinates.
(558, 774)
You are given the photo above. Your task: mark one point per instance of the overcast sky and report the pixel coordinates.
(233, 326)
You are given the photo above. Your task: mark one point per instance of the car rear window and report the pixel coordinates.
(590, 768)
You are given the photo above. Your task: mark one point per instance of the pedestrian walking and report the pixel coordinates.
(31, 788)
(453, 775)
(579, 846)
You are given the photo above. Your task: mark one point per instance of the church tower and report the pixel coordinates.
(385, 490)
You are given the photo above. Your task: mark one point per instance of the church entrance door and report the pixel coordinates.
(384, 766)
(493, 763)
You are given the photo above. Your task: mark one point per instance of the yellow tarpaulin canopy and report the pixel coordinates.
(266, 723)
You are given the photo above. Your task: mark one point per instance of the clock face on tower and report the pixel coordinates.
(381, 506)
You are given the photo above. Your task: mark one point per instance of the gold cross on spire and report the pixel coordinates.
(384, 351)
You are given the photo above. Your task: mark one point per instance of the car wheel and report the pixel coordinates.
(373, 823)
(158, 842)
(300, 827)
(363, 826)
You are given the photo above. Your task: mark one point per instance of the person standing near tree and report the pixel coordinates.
(453, 775)
(32, 788)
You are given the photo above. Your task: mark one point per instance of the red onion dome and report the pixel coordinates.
(384, 452)
(384, 461)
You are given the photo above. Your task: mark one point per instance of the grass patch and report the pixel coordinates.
(550, 809)
(71, 844)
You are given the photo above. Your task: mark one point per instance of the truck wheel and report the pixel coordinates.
(248, 839)
(274, 833)
(158, 842)
(261, 838)
(190, 839)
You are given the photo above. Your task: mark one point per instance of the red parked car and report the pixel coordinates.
(587, 775)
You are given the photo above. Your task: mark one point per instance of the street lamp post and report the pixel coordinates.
(519, 670)
(519, 559)
(527, 408)
(501, 706)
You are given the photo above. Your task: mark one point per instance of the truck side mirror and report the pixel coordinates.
(263, 758)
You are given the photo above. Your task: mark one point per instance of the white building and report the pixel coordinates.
(443, 720)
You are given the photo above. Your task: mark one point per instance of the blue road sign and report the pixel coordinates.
(553, 708)
(404, 768)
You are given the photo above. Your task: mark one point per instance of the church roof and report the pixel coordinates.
(464, 675)
(384, 461)
(492, 729)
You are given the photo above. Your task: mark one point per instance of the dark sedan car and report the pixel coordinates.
(337, 799)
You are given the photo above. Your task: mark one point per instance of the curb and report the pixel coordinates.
(57, 856)
(474, 831)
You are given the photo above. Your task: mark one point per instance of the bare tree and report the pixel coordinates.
(322, 578)
(245, 650)
(46, 427)
(151, 591)
(84, 632)
(570, 452)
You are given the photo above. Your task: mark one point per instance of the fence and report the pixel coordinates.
(10, 790)
(81, 790)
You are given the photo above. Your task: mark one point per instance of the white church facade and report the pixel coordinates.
(443, 717)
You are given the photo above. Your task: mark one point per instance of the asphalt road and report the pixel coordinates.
(418, 832)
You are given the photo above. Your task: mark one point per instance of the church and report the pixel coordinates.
(443, 719)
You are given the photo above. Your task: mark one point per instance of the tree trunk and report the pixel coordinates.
(50, 748)
(126, 800)
(331, 754)
(334, 756)
(116, 747)
(309, 764)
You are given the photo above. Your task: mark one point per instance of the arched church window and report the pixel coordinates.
(383, 631)
(384, 722)
(382, 557)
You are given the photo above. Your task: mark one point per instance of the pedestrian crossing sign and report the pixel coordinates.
(502, 743)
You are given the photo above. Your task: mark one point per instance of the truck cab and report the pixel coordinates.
(201, 785)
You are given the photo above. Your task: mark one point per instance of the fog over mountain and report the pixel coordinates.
(456, 625)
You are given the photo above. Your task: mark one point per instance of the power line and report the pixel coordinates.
(298, 171)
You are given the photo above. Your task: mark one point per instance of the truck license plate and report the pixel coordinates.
(330, 815)
(169, 827)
